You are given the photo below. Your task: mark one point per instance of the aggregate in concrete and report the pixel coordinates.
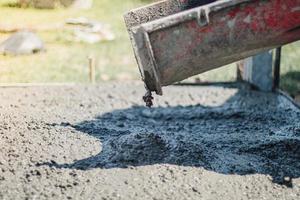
(101, 142)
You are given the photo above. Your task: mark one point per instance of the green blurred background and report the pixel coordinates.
(67, 61)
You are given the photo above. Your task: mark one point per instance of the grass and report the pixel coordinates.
(66, 61)
(290, 69)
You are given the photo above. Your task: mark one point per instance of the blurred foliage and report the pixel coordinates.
(64, 60)
(290, 68)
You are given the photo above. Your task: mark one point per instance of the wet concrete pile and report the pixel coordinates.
(246, 135)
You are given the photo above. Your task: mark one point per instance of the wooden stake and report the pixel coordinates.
(92, 74)
(277, 63)
(257, 71)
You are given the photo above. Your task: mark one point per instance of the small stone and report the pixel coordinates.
(23, 42)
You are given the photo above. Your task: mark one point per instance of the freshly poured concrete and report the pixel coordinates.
(100, 142)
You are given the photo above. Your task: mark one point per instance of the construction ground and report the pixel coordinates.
(101, 142)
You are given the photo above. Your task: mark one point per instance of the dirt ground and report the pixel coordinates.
(100, 142)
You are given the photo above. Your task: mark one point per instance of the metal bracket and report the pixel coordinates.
(203, 16)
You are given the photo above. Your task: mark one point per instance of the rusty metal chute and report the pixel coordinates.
(173, 41)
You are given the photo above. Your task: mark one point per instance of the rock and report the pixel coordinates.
(90, 31)
(23, 42)
(81, 21)
(88, 37)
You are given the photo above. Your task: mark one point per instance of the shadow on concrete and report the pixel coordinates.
(251, 133)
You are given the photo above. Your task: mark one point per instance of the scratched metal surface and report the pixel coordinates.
(197, 40)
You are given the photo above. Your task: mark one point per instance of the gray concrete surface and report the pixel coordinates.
(100, 142)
